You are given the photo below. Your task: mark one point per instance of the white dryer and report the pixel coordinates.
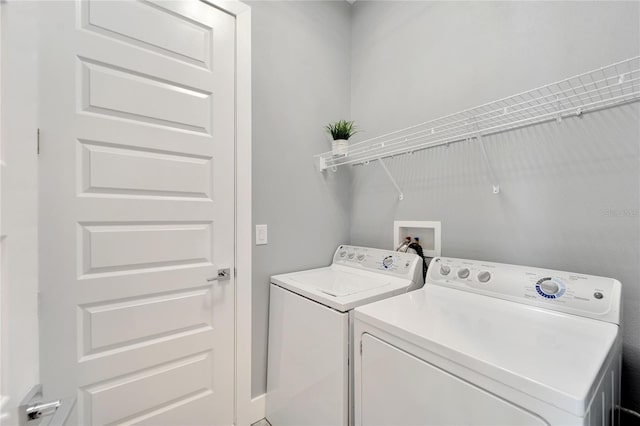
(309, 373)
(491, 344)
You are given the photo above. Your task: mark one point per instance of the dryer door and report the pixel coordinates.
(400, 389)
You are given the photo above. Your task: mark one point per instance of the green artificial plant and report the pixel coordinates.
(342, 129)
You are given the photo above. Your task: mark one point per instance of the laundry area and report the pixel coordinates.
(327, 212)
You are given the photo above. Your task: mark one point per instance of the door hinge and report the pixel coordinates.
(38, 141)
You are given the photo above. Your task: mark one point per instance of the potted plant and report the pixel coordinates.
(341, 131)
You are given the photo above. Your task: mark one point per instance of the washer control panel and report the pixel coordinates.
(579, 294)
(377, 260)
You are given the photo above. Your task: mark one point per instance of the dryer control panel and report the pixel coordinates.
(405, 265)
(579, 294)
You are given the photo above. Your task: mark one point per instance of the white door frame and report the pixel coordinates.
(248, 410)
(18, 205)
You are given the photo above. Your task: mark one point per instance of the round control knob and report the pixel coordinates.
(549, 287)
(342, 253)
(445, 269)
(361, 257)
(387, 262)
(484, 276)
(351, 254)
(463, 273)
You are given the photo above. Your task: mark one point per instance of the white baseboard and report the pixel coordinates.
(258, 409)
(252, 412)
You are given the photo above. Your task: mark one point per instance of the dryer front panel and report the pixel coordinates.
(399, 389)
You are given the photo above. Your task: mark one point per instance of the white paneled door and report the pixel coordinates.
(137, 210)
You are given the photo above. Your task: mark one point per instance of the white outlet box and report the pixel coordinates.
(261, 235)
(429, 233)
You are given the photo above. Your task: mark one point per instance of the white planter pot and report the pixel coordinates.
(340, 147)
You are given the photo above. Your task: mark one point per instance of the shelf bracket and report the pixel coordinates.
(492, 176)
(323, 164)
(393, 181)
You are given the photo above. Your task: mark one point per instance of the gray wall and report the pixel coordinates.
(300, 66)
(570, 196)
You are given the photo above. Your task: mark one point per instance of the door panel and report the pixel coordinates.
(137, 196)
(118, 399)
(143, 172)
(108, 325)
(107, 90)
(191, 40)
(119, 247)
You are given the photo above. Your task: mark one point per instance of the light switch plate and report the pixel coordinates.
(261, 235)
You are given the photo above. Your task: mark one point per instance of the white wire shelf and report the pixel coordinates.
(604, 87)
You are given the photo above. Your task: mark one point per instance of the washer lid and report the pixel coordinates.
(551, 356)
(339, 283)
(342, 288)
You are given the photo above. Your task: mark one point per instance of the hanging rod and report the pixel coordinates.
(611, 85)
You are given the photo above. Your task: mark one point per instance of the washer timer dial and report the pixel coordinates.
(387, 262)
(550, 288)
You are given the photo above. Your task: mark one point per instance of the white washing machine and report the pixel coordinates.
(491, 344)
(310, 329)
